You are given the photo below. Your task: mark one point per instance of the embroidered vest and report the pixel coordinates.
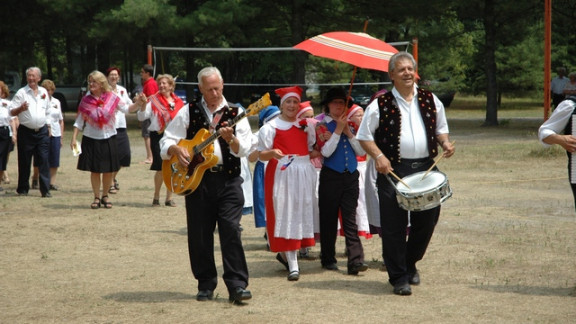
(198, 121)
(568, 130)
(387, 136)
(344, 157)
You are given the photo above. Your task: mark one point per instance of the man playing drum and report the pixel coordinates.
(401, 131)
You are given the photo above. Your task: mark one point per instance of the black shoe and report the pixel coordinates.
(357, 267)
(294, 276)
(414, 279)
(281, 260)
(47, 195)
(239, 294)
(34, 184)
(331, 266)
(204, 295)
(402, 289)
(53, 187)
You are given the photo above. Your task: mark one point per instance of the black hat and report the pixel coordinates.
(334, 93)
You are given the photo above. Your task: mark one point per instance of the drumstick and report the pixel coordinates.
(398, 178)
(433, 165)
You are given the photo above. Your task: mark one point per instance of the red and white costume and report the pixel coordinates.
(290, 184)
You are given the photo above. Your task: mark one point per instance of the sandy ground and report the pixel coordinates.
(503, 250)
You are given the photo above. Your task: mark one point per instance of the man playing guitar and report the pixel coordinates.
(218, 199)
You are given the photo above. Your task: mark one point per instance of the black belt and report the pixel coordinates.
(34, 130)
(4, 127)
(415, 163)
(217, 168)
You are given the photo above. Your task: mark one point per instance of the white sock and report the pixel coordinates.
(292, 259)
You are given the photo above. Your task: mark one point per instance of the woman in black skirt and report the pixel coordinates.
(99, 151)
(7, 128)
(161, 108)
(113, 75)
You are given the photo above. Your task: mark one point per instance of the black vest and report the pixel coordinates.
(198, 120)
(568, 129)
(387, 136)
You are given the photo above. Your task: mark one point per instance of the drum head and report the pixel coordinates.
(432, 180)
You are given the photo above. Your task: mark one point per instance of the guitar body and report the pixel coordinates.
(181, 180)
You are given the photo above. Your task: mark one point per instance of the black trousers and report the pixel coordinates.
(557, 98)
(216, 201)
(401, 254)
(339, 192)
(32, 143)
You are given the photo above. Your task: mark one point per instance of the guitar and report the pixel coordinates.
(184, 180)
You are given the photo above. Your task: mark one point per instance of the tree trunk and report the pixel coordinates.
(490, 65)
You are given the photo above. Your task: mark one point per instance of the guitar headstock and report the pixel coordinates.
(262, 103)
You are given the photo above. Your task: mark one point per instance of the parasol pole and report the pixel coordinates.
(350, 88)
(354, 71)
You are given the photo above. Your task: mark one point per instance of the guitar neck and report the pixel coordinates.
(200, 147)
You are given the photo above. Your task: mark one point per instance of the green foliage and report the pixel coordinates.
(72, 37)
(526, 57)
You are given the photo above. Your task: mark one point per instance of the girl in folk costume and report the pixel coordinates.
(161, 109)
(290, 181)
(266, 115)
(304, 112)
(96, 117)
(355, 114)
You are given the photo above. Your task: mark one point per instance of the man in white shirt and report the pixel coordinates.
(558, 129)
(557, 86)
(31, 104)
(218, 199)
(401, 131)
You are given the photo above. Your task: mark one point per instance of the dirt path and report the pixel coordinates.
(502, 252)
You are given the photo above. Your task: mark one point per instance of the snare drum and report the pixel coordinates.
(423, 194)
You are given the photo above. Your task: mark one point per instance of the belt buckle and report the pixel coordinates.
(415, 165)
(216, 168)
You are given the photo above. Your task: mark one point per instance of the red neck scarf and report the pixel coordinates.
(99, 112)
(162, 108)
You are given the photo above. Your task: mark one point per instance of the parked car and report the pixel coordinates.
(69, 96)
(13, 81)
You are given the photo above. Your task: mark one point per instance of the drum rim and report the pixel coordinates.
(401, 188)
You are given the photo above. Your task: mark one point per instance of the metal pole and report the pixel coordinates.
(547, 55)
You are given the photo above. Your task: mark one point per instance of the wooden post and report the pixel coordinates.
(150, 54)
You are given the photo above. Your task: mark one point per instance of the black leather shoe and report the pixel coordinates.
(294, 276)
(357, 267)
(239, 294)
(204, 295)
(330, 266)
(47, 195)
(414, 279)
(281, 260)
(402, 289)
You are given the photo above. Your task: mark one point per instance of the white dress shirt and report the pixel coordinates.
(121, 92)
(413, 144)
(557, 121)
(178, 127)
(35, 116)
(331, 145)
(54, 117)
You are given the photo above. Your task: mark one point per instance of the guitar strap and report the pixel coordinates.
(215, 120)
